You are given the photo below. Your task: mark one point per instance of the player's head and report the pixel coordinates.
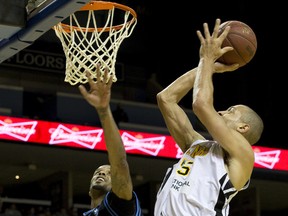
(101, 180)
(245, 120)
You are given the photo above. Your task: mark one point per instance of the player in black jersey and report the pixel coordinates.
(111, 188)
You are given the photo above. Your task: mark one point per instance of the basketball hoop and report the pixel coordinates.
(93, 36)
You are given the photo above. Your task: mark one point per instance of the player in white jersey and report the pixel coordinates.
(210, 172)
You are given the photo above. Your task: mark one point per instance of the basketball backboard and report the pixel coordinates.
(41, 16)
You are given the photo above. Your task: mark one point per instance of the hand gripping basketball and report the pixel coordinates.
(243, 39)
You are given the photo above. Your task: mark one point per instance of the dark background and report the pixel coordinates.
(165, 42)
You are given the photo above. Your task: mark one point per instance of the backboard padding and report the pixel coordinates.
(37, 25)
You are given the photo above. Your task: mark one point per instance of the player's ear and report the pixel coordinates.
(243, 128)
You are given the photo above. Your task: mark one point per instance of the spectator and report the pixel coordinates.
(12, 210)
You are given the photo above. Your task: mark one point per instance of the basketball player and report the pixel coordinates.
(210, 172)
(111, 188)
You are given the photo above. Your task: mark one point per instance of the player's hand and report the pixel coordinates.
(221, 68)
(100, 92)
(211, 43)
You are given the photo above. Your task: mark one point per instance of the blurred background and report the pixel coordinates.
(163, 46)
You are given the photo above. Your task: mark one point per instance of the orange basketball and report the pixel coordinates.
(243, 39)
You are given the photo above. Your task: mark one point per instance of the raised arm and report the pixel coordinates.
(175, 118)
(224, 129)
(99, 97)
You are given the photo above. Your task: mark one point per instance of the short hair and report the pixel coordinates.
(250, 117)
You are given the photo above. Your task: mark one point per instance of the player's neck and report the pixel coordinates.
(95, 202)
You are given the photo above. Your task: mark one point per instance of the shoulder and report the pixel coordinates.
(122, 206)
(205, 142)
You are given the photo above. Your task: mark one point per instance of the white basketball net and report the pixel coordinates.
(84, 49)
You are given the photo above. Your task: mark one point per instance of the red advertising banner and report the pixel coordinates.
(87, 137)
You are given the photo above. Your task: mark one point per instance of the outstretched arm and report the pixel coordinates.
(241, 156)
(99, 97)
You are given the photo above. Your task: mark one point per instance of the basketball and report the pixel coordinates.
(243, 39)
